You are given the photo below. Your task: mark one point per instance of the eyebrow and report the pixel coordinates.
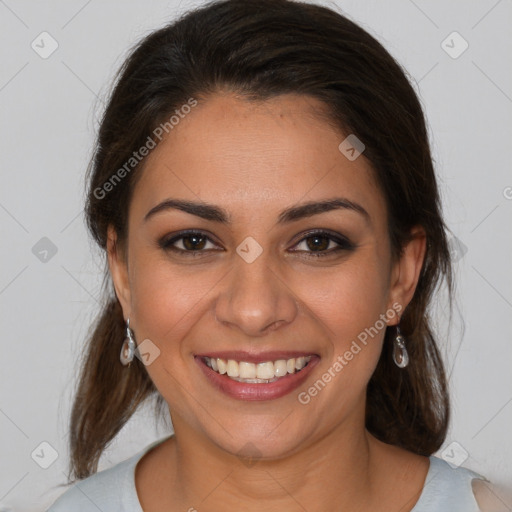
(216, 214)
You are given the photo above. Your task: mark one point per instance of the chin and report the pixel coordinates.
(269, 442)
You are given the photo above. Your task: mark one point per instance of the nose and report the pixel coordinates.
(255, 299)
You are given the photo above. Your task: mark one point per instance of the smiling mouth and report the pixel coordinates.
(256, 373)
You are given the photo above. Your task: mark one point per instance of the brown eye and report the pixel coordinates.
(188, 243)
(194, 242)
(323, 243)
(318, 242)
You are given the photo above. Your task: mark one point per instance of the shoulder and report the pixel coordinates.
(448, 487)
(490, 497)
(110, 490)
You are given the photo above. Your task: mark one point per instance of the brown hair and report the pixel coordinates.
(261, 49)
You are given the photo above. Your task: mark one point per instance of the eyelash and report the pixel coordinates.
(344, 244)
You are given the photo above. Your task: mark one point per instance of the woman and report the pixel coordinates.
(264, 192)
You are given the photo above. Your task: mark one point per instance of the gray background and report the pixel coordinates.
(49, 113)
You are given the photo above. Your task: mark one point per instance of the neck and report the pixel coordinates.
(335, 472)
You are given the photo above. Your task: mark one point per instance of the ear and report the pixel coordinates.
(118, 266)
(406, 271)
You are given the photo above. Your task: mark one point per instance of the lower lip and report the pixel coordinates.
(247, 391)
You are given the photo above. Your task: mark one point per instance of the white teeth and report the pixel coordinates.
(268, 371)
(222, 365)
(247, 370)
(280, 368)
(232, 368)
(265, 370)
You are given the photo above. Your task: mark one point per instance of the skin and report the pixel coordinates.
(254, 160)
(491, 497)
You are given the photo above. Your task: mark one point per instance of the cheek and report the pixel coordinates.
(350, 299)
(348, 304)
(166, 301)
(167, 304)
(170, 303)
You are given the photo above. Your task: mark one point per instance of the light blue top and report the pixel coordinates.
(113, 489)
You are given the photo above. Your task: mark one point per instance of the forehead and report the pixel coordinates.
(239, 153)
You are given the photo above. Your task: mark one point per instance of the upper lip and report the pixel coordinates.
(256, 357)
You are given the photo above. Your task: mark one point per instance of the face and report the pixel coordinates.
(254, 247)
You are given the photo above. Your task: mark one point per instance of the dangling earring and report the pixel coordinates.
(128, 348)
(400, 355)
